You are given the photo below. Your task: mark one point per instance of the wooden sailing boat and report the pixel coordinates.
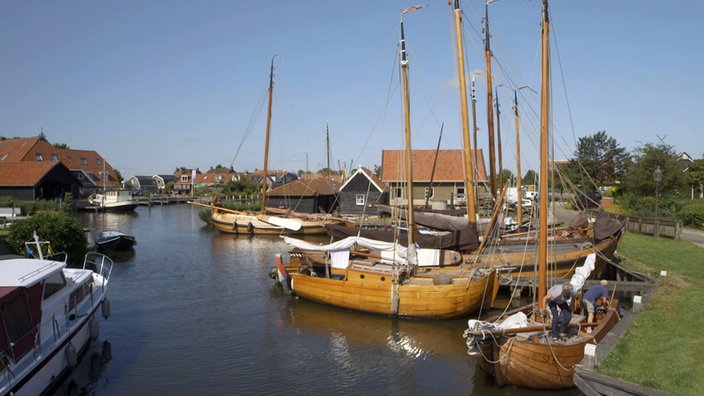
(388, 283)
(269, 221)
(523, 354)
(516, 256)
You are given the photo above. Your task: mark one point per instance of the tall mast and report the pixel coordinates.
(490, 104)
(407, 127)
(544, 123)
(469, 170)
(518, 159)
(500, 173)
(476, 148)
(327, 144)
(266, 141)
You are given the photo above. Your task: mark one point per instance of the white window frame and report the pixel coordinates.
(359, 199)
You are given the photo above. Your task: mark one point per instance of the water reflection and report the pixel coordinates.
(89, 371)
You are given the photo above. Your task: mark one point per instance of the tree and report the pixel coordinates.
(377, 171)
(508, 176)
(695, 176)
(63, 231)
(530, 178)
(61, 146)
(639, 180)
(599, 161)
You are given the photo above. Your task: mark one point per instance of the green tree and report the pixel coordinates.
(61, 146)
(530, 178)
(64, 232)
(639, 180)
(599, 161)
(508, 176)
(695, 176)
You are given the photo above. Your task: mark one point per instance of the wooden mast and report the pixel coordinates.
(469, 166)
(407, 127)
(476, 147)
(519, 178)
(266, 141)
(544, 130)
(490, 104)
(500, 173)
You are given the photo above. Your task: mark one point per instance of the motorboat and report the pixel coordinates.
(114, 200)
(49, 317)
(115, 241)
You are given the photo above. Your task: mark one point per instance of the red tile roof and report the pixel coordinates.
(24, 173)
(305, 188)
(448, 168)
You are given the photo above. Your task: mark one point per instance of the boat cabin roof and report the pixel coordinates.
(27, 271)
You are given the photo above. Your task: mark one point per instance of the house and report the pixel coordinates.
(143, 184)
(275, 178)
(90, 170)
(306, 196)
(31, 180)
(360, 194)
(439, 181)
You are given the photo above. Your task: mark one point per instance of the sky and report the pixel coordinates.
(155, 85)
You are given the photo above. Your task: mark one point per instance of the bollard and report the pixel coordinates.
(637, 304)
(663, 273)
(589, 361)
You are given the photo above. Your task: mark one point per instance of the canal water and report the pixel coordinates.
(194, 312)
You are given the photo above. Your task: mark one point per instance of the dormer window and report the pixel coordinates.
(38, 157)
(84, 161)
(98, 161)
(54, 157)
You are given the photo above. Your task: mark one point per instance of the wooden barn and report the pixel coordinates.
(360, 194)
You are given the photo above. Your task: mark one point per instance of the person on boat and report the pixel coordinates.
(558, 297)
(594, 294)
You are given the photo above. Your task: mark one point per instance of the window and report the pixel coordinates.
(429, 192)
(38, 157)
(98, 161)
(184, 178)
(54, 283)
(398, 192)
(54, 157)
(360, 199)
(84, 161)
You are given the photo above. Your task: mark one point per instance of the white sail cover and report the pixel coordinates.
(582, 273)
(345, 244)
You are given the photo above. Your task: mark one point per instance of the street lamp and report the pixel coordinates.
(657, 175)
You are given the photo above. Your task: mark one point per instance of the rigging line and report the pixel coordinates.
(250, 124)
(564, 83)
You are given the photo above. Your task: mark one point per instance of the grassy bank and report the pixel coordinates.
(663, 348)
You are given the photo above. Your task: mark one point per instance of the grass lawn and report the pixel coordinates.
(664, 347)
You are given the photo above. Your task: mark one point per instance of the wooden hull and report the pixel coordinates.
(521, 259)
(368, 291)
(250, 224)
(533, 362)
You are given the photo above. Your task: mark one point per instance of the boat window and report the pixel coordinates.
(360, 199)
(15, 315)
(79, 294)
(54, 283)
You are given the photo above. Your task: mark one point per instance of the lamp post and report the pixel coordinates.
(657, 175)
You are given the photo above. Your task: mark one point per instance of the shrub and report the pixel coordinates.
(692, 215)
(65, 233)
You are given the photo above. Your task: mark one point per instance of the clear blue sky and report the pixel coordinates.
(153, 85)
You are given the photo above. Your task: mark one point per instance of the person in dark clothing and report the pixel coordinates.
(558, 297)
(594, 294)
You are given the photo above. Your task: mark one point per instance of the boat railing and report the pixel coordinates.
(100, 264)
